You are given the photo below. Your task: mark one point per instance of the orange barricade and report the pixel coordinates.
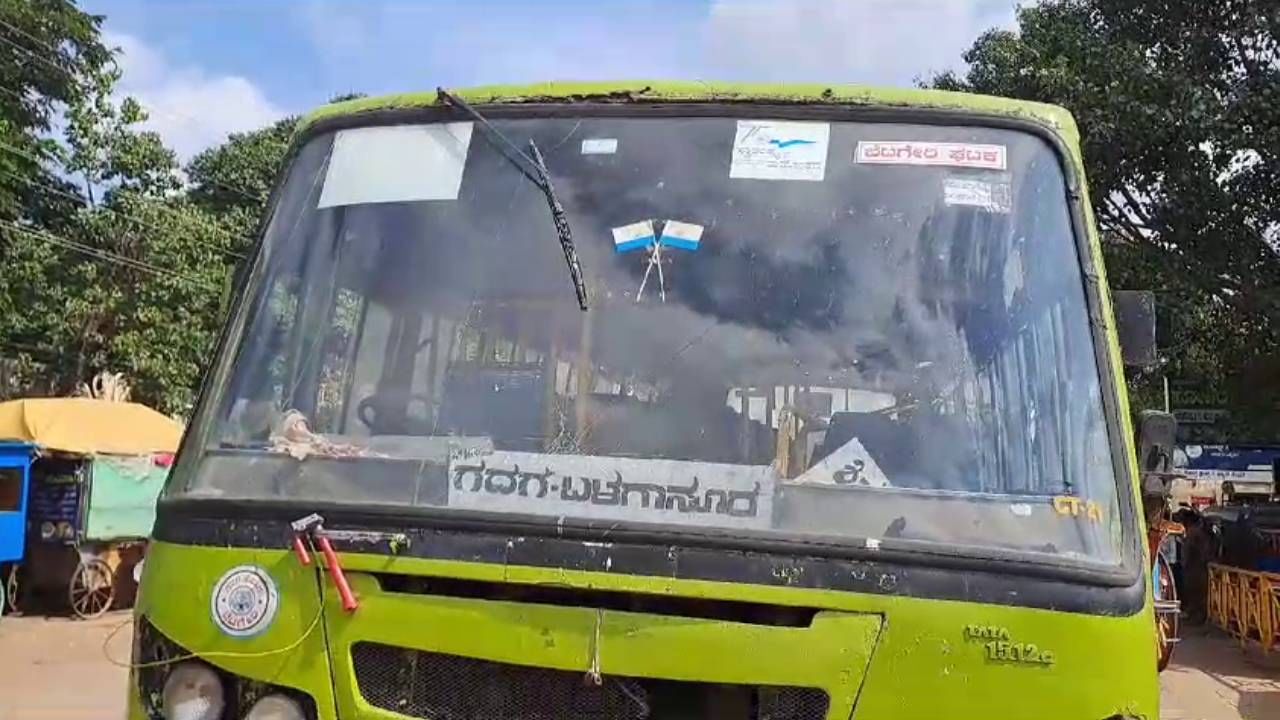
(1246, 604)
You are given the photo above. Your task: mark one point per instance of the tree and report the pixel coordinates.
(112, 260)
(48, 52)
(116, 270)
(1179, 107)
(234, 179)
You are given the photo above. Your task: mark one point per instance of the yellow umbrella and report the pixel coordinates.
(88, 426)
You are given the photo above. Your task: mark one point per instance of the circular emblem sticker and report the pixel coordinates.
(245, 601)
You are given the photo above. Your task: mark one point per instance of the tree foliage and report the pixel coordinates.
(112, 261)
(1179, 107)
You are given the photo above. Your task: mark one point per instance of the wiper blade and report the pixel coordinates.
(534, 168)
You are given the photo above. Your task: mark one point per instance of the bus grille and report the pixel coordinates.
(435, 686)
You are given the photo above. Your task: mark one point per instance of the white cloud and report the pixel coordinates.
(190, 108)
(383, 45)
(890, 42)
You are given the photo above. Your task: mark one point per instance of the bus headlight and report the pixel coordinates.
(276, 707)
(193, 692)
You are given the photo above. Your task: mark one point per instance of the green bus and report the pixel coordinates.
(661, 400)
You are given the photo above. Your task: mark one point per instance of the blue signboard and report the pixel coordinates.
(1250, 468)
(1239, 458)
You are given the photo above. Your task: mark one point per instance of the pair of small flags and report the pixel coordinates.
(642, 235)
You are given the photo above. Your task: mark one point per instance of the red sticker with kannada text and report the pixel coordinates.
(944, 154)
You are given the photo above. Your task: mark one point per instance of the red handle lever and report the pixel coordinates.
(300, 548)
(349, 602)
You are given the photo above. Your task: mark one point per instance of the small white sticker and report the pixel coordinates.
(634, 236)
(599, 146)
(910, 152)
(777, 150)
(1020, 509)
(244, 601)
(989, 196)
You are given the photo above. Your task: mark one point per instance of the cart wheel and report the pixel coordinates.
(10, 591)
(91, 590)
(1167, 625)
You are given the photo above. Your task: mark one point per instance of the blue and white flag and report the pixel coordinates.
(681, 235)
(636, 236)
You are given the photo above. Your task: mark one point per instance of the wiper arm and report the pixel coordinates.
(535, 169)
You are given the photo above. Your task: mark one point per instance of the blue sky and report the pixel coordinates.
(208, 67)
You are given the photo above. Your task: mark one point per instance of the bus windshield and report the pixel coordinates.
(856, 333)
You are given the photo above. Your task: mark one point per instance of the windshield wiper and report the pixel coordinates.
(535, 168)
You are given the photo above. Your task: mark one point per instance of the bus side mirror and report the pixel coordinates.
(1157, 432)
(1136, 325)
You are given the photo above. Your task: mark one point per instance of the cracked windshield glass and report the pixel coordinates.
(870, 334)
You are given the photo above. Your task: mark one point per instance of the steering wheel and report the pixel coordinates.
(371, 407)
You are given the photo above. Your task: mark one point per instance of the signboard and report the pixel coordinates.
(1200, 410)
(673, 492)
(55, 502)
(1248, 468)
(1200, 416)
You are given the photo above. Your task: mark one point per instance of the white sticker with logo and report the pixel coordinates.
(990, 196)
(245, 601)
(942, 154)
(777, 150)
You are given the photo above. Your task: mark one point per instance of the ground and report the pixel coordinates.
(60, 669)
(1213, 678)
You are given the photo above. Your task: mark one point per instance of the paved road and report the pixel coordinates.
(55, 669)
(1213, 678)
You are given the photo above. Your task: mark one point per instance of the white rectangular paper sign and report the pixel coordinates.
(397, 163)
(673, 492)
(911, 152)
(599, 146)
(778, 150)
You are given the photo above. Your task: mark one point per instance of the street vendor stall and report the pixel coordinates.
(100, 467)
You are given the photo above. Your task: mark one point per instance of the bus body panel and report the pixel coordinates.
(895, 657)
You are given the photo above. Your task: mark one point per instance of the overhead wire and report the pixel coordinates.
(19, 151)
(27, 50)
(128, 217)
(99, 253)
(67, 73)
(105, 255)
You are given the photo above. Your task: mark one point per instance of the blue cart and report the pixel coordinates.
(15, 476)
